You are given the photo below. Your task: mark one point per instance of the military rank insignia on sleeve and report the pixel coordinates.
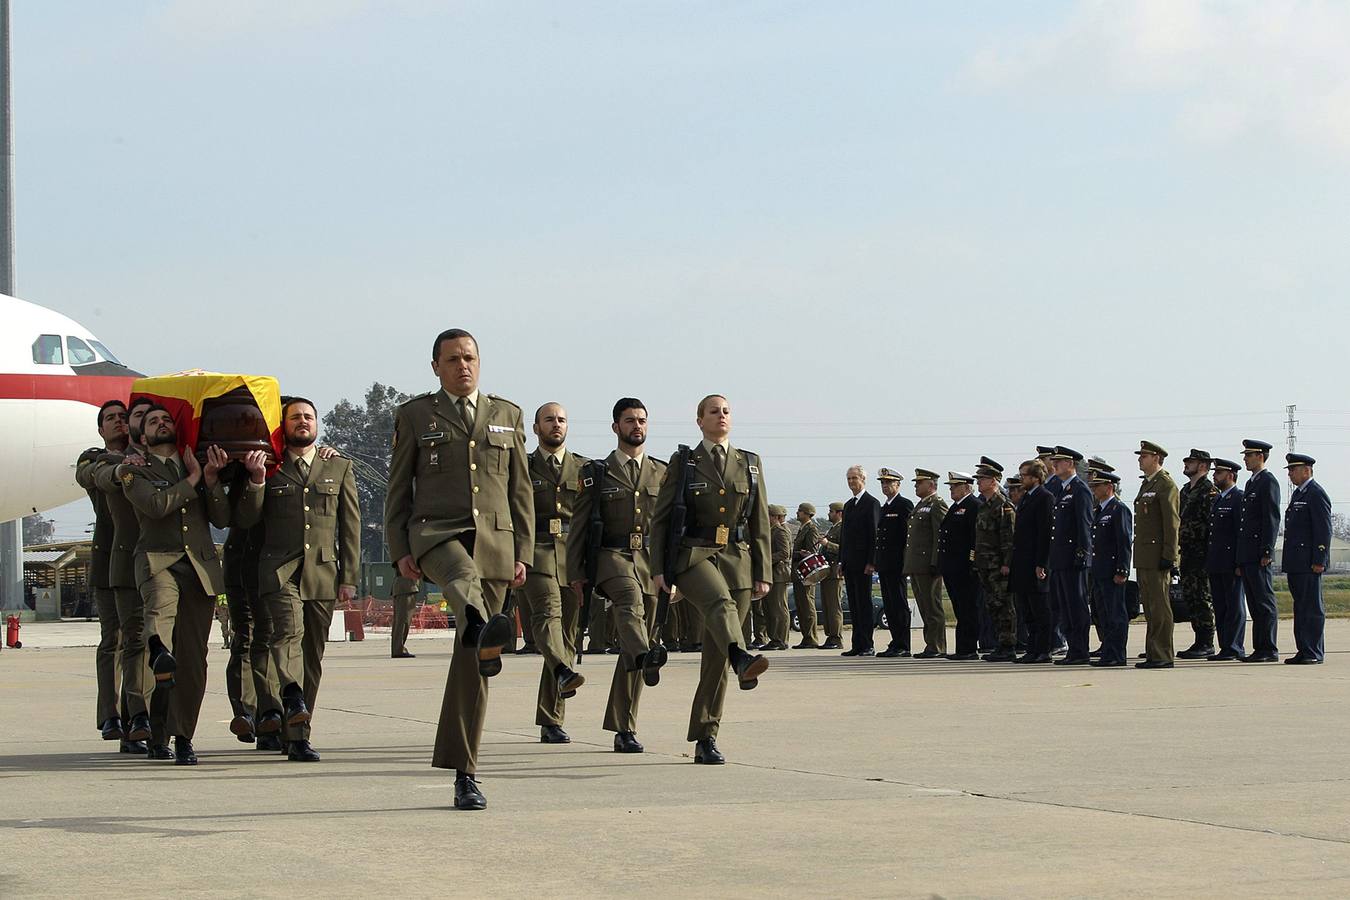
(127, 479)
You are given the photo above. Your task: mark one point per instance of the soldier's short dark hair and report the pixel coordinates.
(541, 409)
(159, 407)
(450, 334)
(627, 403)
(104, 408)
(289, 401)
(139, 401)
(704, 402)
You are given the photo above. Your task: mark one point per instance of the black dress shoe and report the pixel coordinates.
(1298, 659)
(1155, 664)
(651, 663)
(269, 722)
(296, 711)
(553, 734)
(159, 751)
(132, 747)
(491, 638)
(568, 681)
(1107, 663)
(111, 730)
(271, 742)
(1259, 658)
(889, 654)
(849, 653)
(1095, 654)
(183, 754)
(467, 794)
(928, 653)
(140, 728)
(404, 655)
(593, 650)
(525, 650)
(832, 644)
(706, 752)
(1000, 655)
(805, 646)
(696, 647)
(301, 751)
(241, 726)
(748, 669)
(1196, 652)
(626, 742)
(163, 666)
(1032, 659)
(962, 657)
(756, 645)
(1073, 661)
(1222, 656)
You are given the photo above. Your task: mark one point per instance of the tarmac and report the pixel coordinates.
(866, 778)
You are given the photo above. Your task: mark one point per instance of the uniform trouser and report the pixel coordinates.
(178, 615)
(777, 621)
(524, 604)
(266, 680)
(724, 609)
(962, 589)
(398, 632)
(634, 617)
(1068, 593)
(136, 677)
(752, 630)
(1195, 591)
(858, 584)
(1259, 587)
(241, 674)
(830, 590)
(804, 598)
(685, 626)
(464, 706)
(1114, 617)
(600, 628)
(1153, 597)
(1035, 609)
(988, 639)
(1310, 616)
(895, 599)
(1230, 617)
(928, 597)
(554, 609)
(300, 633)
(1001, 607)
(112, 701)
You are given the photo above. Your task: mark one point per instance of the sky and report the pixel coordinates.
(902, 234)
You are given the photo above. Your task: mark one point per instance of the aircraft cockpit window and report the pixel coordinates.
(104, 352)
(47, 350)
(80, 354)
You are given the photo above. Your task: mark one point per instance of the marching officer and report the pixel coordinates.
(956, 563)
(994, 526)
(921, 562)
(1260, 525)
(832, 585)
(1112, 540)
(1307, 543)
(892, 534)
(1225, 585)
(1157, 520)
(806, 543)
(1197, 497)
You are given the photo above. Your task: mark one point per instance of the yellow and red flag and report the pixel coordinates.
(184, 393)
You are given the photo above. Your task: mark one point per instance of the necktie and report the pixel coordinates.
(720, 459)
(633, 471)
(302, 467)
(176, 466)
(555, 466)
(466, 414)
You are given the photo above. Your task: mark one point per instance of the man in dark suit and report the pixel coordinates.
(1028, 577)
(892, 532)
(1225, 586)
(1112, 542)
(857, 548)
(956, 564)
(1071, 555)
(1307, 551)
(1260, 525)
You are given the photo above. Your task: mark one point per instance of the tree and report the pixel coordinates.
(38, 529)
(1340, 526)
(363, 433)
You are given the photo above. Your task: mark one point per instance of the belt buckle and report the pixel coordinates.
(555, 526)
(635, 541)
(723, 536)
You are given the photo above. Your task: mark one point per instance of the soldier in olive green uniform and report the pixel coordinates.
(554, 606)
(831, 586)
(1157, 518)
(404, 597)
(921, 562)
(720, 561)
(621, 490)
(775, 603)
(993, 559)
(1196, 499)
(239, 560)
(460, 512)
(805, 544)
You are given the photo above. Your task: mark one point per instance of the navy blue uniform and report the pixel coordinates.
(1112, 543)
(956, 564)
(1031, 550)
(1256, 541)
(1307, 543)
(1221, 563)
(1070, 556)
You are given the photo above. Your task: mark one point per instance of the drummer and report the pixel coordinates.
(806, 545)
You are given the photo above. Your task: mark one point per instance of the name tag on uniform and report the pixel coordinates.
(960, 512)
(1104, 519)
(699, 484)
(1149, 494)
(608, 490)
(433, 436)
(500, 428)
(161, 483)
(537, 483)
(723, 535)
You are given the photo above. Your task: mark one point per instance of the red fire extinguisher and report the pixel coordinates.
(12, 633)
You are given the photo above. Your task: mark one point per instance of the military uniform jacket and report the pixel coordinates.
(780, 542)
(311, 523)
(804, 544)
(1307, 529)
(444, 481)
(956, 537)
(126, 530)
(1157, 520)
(892, 534)
(1225, 519)
(1071, 527)
(175, 520)
(925, 523)
(1260, 518)
(830, 550)
(100, 550)
(1112, 537)
(994, 526)
(715, 500)
(1031, 541)
(554, 498)
(1193, 534)
(626, 508)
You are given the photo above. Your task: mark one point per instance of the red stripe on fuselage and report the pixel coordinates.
(92, 389)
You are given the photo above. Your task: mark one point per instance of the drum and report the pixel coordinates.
(813, 569)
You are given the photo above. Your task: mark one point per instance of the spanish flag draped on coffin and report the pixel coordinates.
(238, 413)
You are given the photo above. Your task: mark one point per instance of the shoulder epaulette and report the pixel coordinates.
(660, 462)
(503, 399)
(415, 399)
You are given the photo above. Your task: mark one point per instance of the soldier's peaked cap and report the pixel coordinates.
(1066, 453)
(1150, 447)
(885, 473)
(777, 510)
(1043, 450)
(925, 475)
(808, 508)
(1227, 465)
(991, 464)
(1298, 459)
(1252, 446)
(837, 506)
(1198, 456)
(959, 478)
(1105, 478)
(1097, 464)
(987, 472)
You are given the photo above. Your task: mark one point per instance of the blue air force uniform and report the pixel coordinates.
(1221, 564)
(1070, 557)
(1307, 543)
(1256, 541)
(1112, 542)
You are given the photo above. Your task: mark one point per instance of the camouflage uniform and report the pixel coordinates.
(993, 551)
(1193, 536)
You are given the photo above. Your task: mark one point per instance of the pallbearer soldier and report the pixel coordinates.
(775, 603)
(239, 560)
(832, 585)
(177, 568)
(1197, 497)
(1157, 520)
(805, 544)
(1112, 541)
(311, 556)
(614, 503)
(555, 475)
(1307, 543)
(956, 562)
(892, 534)
(404, 597)
(719, 559)
(1256, 550)
(994, 525)
(460, 513)
(1225, 585)
(921, 563)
